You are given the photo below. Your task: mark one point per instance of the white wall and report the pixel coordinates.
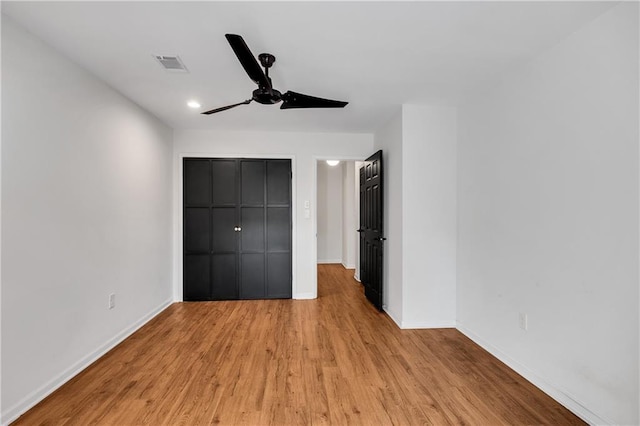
(429, 212)
(304, 149)
(548, 219)
(86, 199)
(356, 214)
(1, 410)
(349, 215)
(329, 208)
(389, 139)
(419, 160)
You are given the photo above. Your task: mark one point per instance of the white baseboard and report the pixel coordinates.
(357, 277)
(428, 324)
(392, 316)
(45, 390)
(305, 296)
(547, 386)
(408, 325)
(348, 266)
(325, 261)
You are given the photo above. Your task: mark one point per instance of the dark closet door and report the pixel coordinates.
(237, 229)
(371, 236)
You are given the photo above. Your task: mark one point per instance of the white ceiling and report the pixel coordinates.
(376, 55)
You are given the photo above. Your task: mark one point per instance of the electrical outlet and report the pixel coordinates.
(523, 320)
(112, 301)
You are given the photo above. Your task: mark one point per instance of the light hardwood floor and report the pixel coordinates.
(334, 360)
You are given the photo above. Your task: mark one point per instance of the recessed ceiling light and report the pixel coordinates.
(193, 104)
(333, 162)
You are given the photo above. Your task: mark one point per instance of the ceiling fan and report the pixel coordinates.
(265, 93)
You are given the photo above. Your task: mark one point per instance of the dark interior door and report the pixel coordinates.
(371, 230)
(237, 229)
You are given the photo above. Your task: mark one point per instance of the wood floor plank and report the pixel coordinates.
(334, 360)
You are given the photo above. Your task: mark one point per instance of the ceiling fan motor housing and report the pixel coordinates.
(267, 97)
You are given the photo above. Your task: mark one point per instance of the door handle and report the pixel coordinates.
(359, 230)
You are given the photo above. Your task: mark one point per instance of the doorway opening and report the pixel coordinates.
(337, 214)
(349, 222)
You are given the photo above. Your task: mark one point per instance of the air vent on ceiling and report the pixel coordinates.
(171, 63)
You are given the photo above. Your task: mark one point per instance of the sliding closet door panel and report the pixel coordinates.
(197, 277)
(253, 180)
(224, 182)
(279, 275)
(196, 230)
(278, 229)
(224, 277)
(224, 236)
(252, 234)
(197, 182)
(197, 198)
(252, 276)
(278, 182)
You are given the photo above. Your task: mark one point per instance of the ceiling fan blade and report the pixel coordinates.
(224, 108)
(298, 100)
(247, 60)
